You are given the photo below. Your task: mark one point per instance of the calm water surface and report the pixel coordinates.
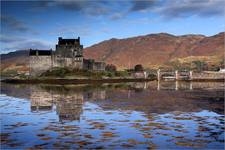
(172, 115)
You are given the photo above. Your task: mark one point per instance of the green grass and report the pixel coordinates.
(76, 73)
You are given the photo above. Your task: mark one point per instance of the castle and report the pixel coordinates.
(68, 53)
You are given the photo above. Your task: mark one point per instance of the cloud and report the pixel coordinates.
(180, 8)
(74, 30)
(117, 15)
(13, 23)
(92, 8)
(10, 44)
(201, 8)
(10, 39)
(142, 5)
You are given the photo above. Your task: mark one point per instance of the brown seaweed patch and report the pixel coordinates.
(184, 144)
(52, 128)
(83, 143)
(136, 125)
(5, 137)
(98, 125)
(88, 136)
(201, 141)
(108, 134)
(139, 120)
(64, 134)
(181, 130)
(15, 144)
(126, 145)
(40, 135)
(122, 120)
(178, 137)
(19, 124)
(147, 136)
(109, 113)
(178, 126)
(203, 129)
(146, 129)
(46, 138)
(151, 146)
(189, 144)
(132, 141)
(183, 118)
(164, 134)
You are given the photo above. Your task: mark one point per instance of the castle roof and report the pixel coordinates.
(40, 52)
(68, 41)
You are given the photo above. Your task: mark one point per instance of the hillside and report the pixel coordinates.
(151, 51)
(155, 49)
(15, 61)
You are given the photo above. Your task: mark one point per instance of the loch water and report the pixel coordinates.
(147, 115)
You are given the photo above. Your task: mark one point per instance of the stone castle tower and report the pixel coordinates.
(69, 48)
(69, 53)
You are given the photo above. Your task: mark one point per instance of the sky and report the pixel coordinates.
(38, 24)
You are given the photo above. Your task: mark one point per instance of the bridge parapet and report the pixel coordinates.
(175, 75)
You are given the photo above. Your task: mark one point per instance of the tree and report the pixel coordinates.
(110, 68)
(199, 65)
(138, 67)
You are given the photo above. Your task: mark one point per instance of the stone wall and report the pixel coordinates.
(40, 64)
(99, 66)
(68, 62)
(90, 64)
(208, 75)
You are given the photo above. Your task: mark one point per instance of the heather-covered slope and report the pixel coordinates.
(155, 49)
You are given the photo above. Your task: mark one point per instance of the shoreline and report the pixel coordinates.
(71, 81)
(93, 81)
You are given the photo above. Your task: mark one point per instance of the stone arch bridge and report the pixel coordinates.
(172, 75)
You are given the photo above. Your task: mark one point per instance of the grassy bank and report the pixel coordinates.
(71, 81)
(66, 73)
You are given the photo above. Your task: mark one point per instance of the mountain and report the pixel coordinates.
(151, 51)
(155, 49)
(17, 60)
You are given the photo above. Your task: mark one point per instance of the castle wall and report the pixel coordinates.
(39, 64)
(90, 64)
(99, 66)
(68, 62)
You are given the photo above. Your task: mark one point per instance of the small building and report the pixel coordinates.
(140, 74)
(91, 64)
(40, 61)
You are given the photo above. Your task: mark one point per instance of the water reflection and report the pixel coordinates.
(41, 100)
(146, 96)
(133, 115)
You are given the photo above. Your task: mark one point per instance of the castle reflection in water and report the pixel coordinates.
(68, 103)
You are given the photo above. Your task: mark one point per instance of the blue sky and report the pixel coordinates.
(38, 24)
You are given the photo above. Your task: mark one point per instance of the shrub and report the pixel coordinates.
(138, 67)
(8, 73)
(152, 76)
(121, 73)
(110, 68)
(57, 72)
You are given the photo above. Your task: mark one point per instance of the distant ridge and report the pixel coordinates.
(155, 49)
